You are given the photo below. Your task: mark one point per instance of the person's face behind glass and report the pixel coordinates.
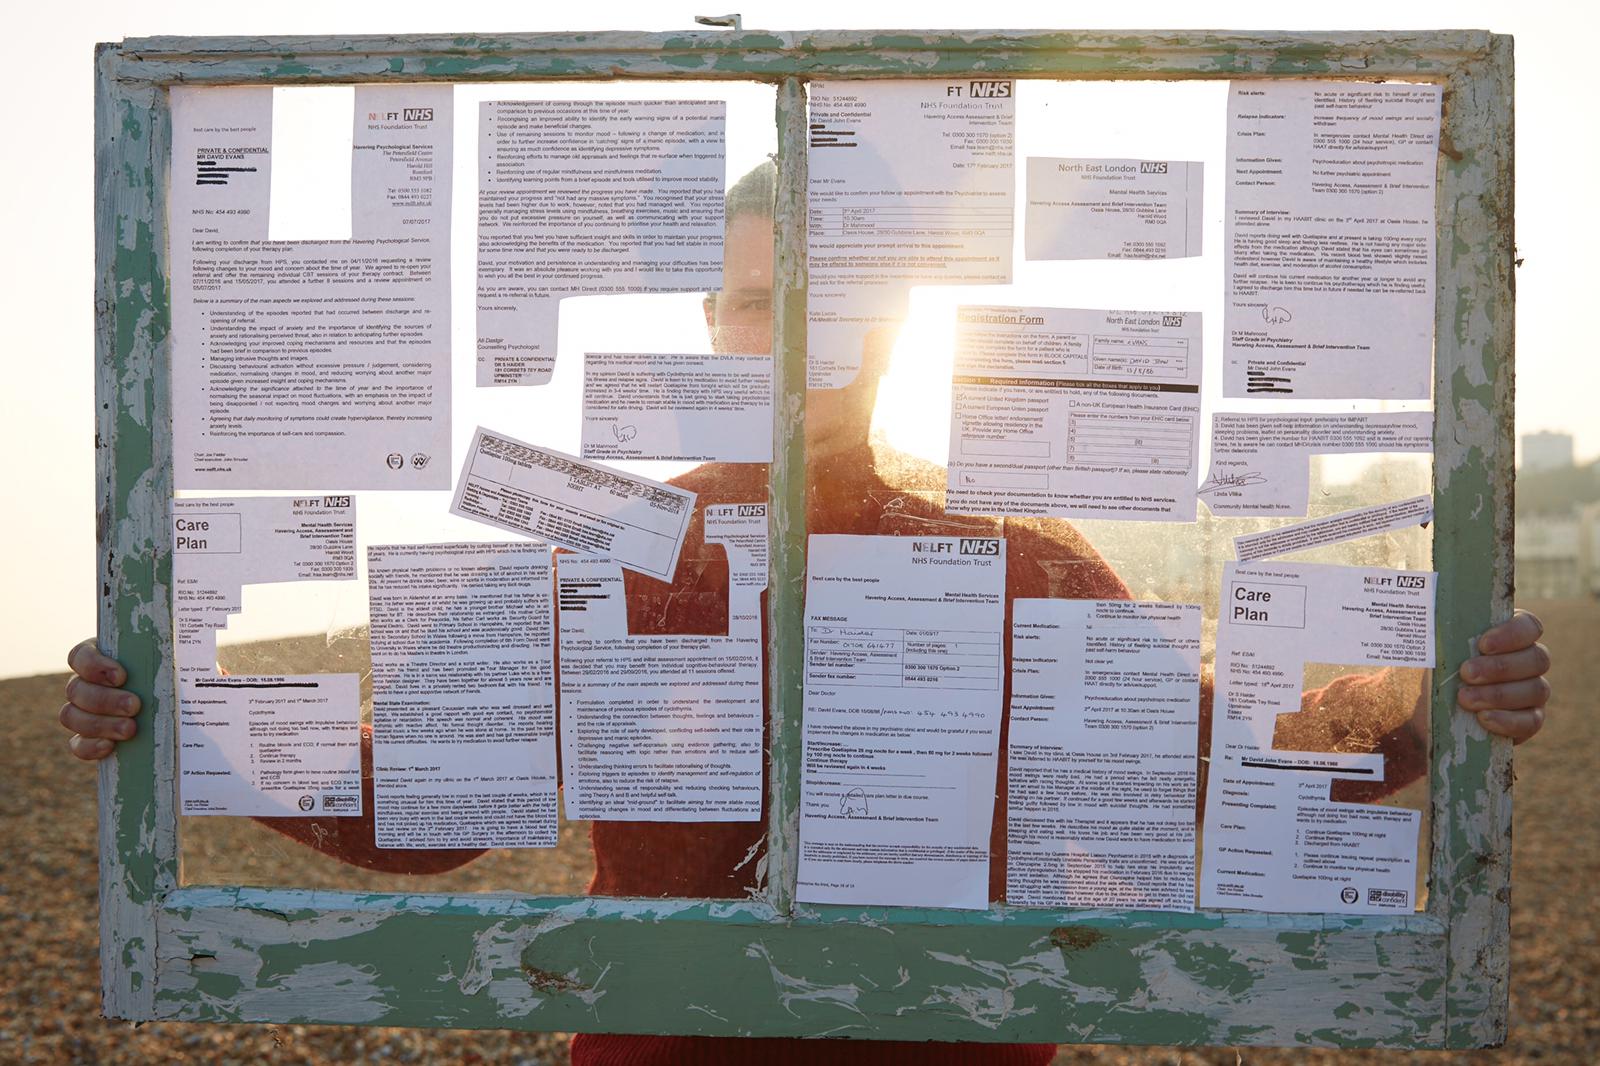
(740, 322)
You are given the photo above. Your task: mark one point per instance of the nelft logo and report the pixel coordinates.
(1147, 167)
(980, 546)
(419, 114)
(1172, 320)
(752, 510)
(1410, 581)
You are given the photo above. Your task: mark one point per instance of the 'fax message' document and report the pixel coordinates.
(664, 728)
(1113, 208)
(1274, 840)
(251, 745)
(1329, 235)
(299, 364)
(585, 197)
(1101, 771)
(1075, 414)
(463, 695)
(903, 687)
(910, 183)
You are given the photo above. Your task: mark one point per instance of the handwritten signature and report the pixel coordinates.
(1276, 316)
(1232, 481)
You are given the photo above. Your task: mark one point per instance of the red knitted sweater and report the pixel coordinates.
(866, 490)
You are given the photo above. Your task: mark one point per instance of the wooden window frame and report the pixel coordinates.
(767, 966)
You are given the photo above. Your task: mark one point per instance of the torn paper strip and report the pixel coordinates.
(1334, 529)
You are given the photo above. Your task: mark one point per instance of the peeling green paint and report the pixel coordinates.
(765, 966)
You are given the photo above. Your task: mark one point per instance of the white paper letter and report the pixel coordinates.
(1113, 208)
(902, 719)
(700, 408)
(463, 695)
(1105, 710)
(581, 197)
(311, 363)
(911, 183)
(1330, 231)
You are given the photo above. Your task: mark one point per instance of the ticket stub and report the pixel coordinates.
(572, 503)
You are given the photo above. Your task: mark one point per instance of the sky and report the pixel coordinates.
(46, 197)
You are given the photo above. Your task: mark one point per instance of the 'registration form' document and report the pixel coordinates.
(1075, 414)
(1329, 236)
(910, 183)
(903, 688)
(586, 197)
(664, 728)
(574, 504)
(1261, 464)
(688, 408)
(279, 746)
(311, 363)
(1274, 840)
(463, 695)
(1113, 208)
(1101, 761)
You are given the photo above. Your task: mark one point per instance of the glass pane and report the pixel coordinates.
(878, 450)
(316, 627)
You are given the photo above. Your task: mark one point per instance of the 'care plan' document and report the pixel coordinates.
(253, 745)
(1330, 231)
(1274, 840)
(910, 183)
(903, 686)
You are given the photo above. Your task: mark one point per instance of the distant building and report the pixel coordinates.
(1548, 563)
(1589, 548)
(1546, 451)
